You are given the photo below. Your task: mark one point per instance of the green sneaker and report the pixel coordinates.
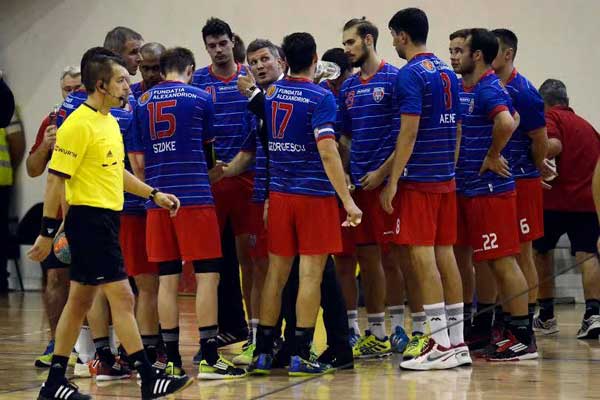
(245, 358)
(414, 347)
(222, 369)
(45, 360)
(174, 370)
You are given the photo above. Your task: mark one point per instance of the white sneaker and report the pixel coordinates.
(81, 370)
(543, 328)
(433, 356)
(461, 351)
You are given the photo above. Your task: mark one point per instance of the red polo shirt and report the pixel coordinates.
(572, 189)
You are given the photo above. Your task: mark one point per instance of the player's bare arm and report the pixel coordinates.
(539, 146)
(239, 164)
(138, 163)
(504, 126)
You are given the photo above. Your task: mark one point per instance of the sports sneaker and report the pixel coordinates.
(261, 364)
(513, 350)
(353, 337)
(478, 340)
(461, 351)
(222, 369)
(398, 340)
(245, 357)
(45, 360)
(370, 346)
(547, 327)
(227, 338)
(164, 385)
(73, 359)
(174, 370)
(81, 369)
(197, 357)
(106, 372)
(433, 356)
(497, 339)
(414, 347)
(93, 365)
(301, 367)
(337, 358)
(590, 328)
(65, 390)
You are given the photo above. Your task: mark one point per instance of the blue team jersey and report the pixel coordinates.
(230, 106)
(137, 89)
(338, 121)
(367, 113)
(132, 204)
(427, 87)
(530, 106)
(254, 144)
(485, 100)
(298, 114)
(172, 123)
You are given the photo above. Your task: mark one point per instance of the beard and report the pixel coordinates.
(361, 60)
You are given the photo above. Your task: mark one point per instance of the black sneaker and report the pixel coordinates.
(513, 350)
(65, 390)
(590, 328)
(227, 338)
(163, 385)
(341, 359)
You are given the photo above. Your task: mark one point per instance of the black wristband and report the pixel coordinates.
(49, 227)
(153, 193)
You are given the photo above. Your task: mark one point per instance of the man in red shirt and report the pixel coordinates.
(569, 208)
(55, 274)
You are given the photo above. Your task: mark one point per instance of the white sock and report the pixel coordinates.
(353, 321)
(377, 325)
(254, 327)
(436, 318)
(396, 316)
(418, 323)
(85, 345)
(112, 339)
(455, 323)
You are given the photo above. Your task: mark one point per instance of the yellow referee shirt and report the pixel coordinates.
(89, 152)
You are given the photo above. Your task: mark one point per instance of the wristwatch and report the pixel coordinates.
(153, 193)
(250, 91)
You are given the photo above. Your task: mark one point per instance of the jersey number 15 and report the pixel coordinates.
(156, 113)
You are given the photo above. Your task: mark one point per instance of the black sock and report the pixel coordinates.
(150, 343)
(103, 350)
(498, 316)
(58, 368)
(482, 321)
(506, 318)
(265, 336)
(303, 340)
(467, 315)
(530, 314)
(519, 327)
(171, 339)
(208, 343)
(546, 308)
(141, 363)
(592, 307)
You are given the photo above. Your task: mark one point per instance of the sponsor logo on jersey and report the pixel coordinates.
(378, 94)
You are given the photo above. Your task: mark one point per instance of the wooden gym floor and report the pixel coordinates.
(568, 368)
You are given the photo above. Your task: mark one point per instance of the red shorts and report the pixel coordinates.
(258, 232)
(132, 236)
(462, 231)
(299, 224)
(530, 209)
(492, 226)
(426, 219)
(348, 237)
(377, 226)
(192, 235)
(232, 200)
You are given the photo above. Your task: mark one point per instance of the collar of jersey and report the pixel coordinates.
(484, 75)
(225, 79)
(367, 80)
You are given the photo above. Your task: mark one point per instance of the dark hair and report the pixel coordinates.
(364, 27)
(216, 27)
(412, 21)
(258, 44)
(176, 59)
(115, 39)
(97, 65)
(280, 52)
(239, 49)
(486, 42)
(153, 48)
(554, 92)
(339, 57)
(507, 38)
(299, 49)
(461, 33)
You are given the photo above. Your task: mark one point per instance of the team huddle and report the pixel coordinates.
(429, 177)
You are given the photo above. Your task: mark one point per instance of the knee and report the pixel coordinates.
(57, 280)
(123, 299)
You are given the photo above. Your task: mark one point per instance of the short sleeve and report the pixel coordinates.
(531, 110)
(552, 126)
(494, 99)
(208, 120)
(71, 145)
(409, 90)
(324, 117)
(40, 134)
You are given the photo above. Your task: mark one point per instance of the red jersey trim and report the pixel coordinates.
(497, 110)
(135, 152)
(226, 79)
(470, 88)
(512, 76)
(329, 136)
(368, 79)
(425, 53)
(297, 79)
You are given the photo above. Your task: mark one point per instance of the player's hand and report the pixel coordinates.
(41, 248)
(496, 164)
(372, 180)
(548, 170)
(218, 172)
(167, 201)
(244, 83)
(49, 137)
(386, 197)
(266, 212)
(354, 216)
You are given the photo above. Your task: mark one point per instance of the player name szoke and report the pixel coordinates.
(171, 93)
(291, 95)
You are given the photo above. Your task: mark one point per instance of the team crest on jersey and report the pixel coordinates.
(271, 91)
(471, 106)
(350, 99)
(144, 98)
(378, 94)
(428, 65)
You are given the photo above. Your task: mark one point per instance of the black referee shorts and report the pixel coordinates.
(581, 228)
(93, 235)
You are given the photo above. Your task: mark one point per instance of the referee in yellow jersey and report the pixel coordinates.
(88, 165)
